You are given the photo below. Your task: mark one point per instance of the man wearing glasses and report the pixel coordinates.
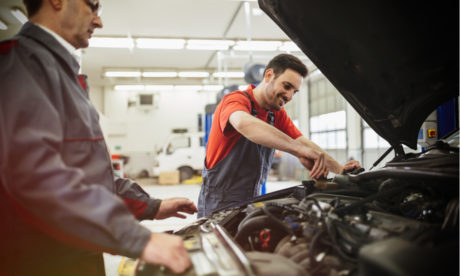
(60, 205)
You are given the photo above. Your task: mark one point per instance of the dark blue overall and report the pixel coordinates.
(238, 176)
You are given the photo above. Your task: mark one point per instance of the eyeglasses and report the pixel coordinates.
(95, 6)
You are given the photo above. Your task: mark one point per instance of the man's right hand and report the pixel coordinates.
(317, 166)
(314, 161)
(167, 250)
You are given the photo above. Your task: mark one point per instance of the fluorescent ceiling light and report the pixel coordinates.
(159, 74)
(209, 44)
(257, 45)
(213, 87)
(159, 87)
(3, 25)
(257, 11)
(156, 43)
(228, 74)
(129, 87)
(111, 42)
(128, 74)
(191, 74)
(289, 46)
(19, 14)
(188, 87)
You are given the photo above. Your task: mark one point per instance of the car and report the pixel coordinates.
(183, 152)
(394, 62)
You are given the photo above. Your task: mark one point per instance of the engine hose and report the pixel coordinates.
(389, 192)
(257, 223)
(315, 201)
(257, 212)
(281, 206)
(313, 244)
(334, 243)
(279, 222)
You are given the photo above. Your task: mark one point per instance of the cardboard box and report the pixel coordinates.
(169, 178)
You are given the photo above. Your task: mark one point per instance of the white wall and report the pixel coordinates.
(354, 141)
(130, 129)
(96, 95)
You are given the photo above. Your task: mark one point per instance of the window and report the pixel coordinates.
(178, 142)
(327, 115)
(371, 140)
(373, 147)
(329, 130)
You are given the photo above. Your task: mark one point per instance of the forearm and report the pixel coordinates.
(141, 205)
(309, 154)
(264, 134)
(331, 163)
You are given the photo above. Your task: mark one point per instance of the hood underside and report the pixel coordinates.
(393, 61)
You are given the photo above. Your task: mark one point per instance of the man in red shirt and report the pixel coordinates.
(247, 127)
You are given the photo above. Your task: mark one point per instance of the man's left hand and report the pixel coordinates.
(174, 207)
(350, 166)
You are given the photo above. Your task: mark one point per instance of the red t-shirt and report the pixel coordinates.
(223, 136)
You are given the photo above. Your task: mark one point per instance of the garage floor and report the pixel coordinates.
(165, 191)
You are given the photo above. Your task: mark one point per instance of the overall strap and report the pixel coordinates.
(253, 110)
(271, 118)
(271, 114)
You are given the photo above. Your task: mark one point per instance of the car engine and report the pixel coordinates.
(401, 219)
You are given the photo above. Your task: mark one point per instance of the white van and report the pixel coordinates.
(183, 152)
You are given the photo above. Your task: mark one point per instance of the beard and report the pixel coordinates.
(275, 97)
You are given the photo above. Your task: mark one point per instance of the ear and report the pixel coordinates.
(268, 75)
(56, 4)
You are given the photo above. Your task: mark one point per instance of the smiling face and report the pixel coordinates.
(79, 23)
(282, 88)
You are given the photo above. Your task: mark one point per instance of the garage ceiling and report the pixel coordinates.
(184, 19)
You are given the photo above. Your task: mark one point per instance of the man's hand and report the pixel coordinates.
(315, 163)
(167, 250)
(350, 166)
(172, 207)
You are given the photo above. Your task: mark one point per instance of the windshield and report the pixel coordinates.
(178, 142)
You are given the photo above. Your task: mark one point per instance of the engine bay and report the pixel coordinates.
(401, 219)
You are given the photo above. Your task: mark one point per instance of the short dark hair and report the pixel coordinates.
(32, 6)
(281, 62)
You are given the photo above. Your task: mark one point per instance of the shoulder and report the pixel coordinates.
(235, 98)
(7, 45)
(21, 54)
(14, 55)
(26, 51)
(234, 101)
(25, 64)
(235, 95)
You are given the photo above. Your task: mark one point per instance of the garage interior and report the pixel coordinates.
(157, 69)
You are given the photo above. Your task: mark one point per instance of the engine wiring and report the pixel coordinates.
(320, 228)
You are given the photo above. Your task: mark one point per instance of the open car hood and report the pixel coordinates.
(393, 61)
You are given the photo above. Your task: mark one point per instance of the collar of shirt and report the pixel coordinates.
(62, 41)
(262, 112)
(250, 91)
